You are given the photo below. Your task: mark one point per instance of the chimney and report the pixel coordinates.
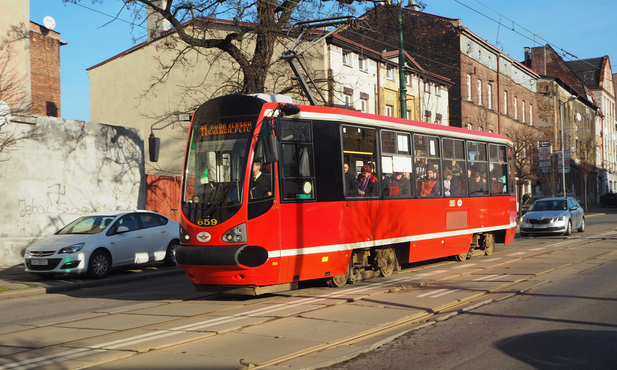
(156, 23)
(527, 56)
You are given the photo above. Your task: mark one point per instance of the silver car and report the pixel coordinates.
(553, 216)
(95, 243)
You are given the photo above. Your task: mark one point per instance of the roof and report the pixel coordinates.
(588, 70)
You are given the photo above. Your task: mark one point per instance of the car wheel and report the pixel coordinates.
(99, 265)
(582, 228)
(524, 235)
(170, 256)
(568, 228)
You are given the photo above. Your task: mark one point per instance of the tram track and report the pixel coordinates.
(442, 313)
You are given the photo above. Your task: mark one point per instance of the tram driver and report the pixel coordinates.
(260, 183)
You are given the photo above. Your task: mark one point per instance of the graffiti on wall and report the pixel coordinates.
(56, 204)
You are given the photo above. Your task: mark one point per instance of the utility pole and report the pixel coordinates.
(401, 63)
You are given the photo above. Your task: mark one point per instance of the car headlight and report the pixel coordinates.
(561, 218)
(72, 249)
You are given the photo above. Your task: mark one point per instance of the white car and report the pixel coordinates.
(95, 243)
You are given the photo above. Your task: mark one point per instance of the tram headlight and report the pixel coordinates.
(236, 234)
(184, 235)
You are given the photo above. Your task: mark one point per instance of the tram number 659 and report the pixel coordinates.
(207, 222)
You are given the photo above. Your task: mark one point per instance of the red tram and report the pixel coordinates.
(267, 202)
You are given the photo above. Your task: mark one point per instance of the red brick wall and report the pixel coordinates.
(45, 71)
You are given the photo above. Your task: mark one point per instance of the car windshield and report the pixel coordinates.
(87, 225)
(549, 205)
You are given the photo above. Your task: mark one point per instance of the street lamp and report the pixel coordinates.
(563, 154)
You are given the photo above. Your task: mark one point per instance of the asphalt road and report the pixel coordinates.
(567, 323)
(546, 296)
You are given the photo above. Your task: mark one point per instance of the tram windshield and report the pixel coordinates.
(215, 168)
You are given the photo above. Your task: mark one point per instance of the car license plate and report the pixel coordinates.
(540, 226)
(38, 262)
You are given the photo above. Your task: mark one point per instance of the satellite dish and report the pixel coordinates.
(49, 22)
(5, 113)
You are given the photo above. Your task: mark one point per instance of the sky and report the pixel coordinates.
(574, 28)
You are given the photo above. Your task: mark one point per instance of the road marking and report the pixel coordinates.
(463, 266)
(516, 254)
(537, 249)
(431, 273)
(429, 293)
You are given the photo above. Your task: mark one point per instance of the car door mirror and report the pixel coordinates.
(574, 208)
(122, 229)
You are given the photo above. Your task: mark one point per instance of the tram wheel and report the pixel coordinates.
(390, 257)
(463, 256)
(489, 244)
(341, 280)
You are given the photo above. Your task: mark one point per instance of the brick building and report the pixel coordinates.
(490, 89)
(567, 109)
(597, 76)
(32, 62)
(45, 70)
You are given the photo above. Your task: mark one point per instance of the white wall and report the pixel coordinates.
(79, 167)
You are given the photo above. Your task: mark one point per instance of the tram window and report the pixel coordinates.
(427, 174)
(511, 172)
(297, 180)
(477, 168)
(498, 169)
(396, 168)
(360, 149)
(296, 130)
(454, 168)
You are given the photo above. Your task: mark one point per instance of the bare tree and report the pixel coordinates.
(265, 22)
(15, 100)
(587, 160)
(525, 139)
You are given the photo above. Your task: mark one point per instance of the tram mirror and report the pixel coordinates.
(271, 148)
(154, 144)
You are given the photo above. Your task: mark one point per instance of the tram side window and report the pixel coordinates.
(477, 168)
(498, 169)
(512, 190)
(298, 177)
(360, 153)
(455, 168)
(396, 164)
(427, 174)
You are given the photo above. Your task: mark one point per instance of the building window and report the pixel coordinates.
(480, 128)
(364, 105)
(530, 114)
(505, 102)
(438, 90)
(390, 73)
(427, 86)
(523, 111)
(408, 114)
(479, 92)
(347, 58)
(480, 56)
(469, 49)
(489, 97)
(490, 62)
(515, 108)
(469, 87)
(407, 79)
(348, 101)
(389, 110)
(363, 63)
(469, 126)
